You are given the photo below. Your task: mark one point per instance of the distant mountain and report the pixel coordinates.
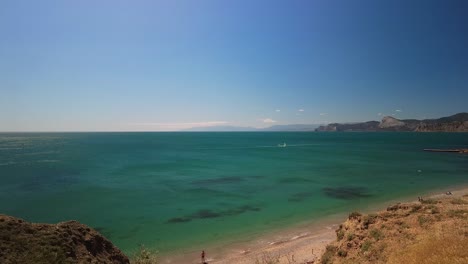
(220, 129)
(295, 127)
(454, 123)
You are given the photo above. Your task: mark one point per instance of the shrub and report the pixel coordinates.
(416, 208)
(433, 209)
(366, 246)
(368, 220)
(354, 215)
(376, 234)
(342, 253)
(404, 225)
(350, 236)
(429, 201)
(340, 234)
(327, 257)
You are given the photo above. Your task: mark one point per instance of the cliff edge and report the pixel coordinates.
(66, 242)
(429, 231)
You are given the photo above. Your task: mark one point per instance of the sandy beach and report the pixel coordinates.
(300, 244)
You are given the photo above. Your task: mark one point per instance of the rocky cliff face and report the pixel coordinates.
(455, 126)
(455, 123)
(367, 126)
(67, 242)
(389, 121)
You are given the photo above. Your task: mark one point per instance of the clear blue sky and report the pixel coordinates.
(166, 65)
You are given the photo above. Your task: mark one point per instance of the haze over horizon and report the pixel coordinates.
(171, 65)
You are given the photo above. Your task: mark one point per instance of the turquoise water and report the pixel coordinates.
(176, 190)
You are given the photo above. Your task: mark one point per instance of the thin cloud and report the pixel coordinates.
(323, 114)
(398, 110)
(379, 114)
(176, 126)
(301, 110)
(277, 110)
(268, 120)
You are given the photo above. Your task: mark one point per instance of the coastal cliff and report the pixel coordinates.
(454, 123)
(66, 242)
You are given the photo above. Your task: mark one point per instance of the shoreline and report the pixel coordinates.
(303, 242)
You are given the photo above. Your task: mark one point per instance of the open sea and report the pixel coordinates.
(175, 191)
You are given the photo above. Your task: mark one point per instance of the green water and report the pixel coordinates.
(176, 190)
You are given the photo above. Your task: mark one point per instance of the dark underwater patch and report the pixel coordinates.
(209, 193)
(179, 220)
(294, 180)
(346, 192)
(223, 180)
(207, 213)
(299, 197)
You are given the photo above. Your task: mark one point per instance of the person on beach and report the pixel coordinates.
(203, 257)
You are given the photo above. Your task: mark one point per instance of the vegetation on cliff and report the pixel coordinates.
(430, 231)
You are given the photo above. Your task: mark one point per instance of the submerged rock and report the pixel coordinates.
(66, 242)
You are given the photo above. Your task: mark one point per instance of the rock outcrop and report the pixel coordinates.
(66, 242)
(366, 126)
(389, 121)
(454, 123)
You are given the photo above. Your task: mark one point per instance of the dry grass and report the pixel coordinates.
(446, 247)
(435, 231)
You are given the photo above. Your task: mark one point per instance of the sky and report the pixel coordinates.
(113, 65)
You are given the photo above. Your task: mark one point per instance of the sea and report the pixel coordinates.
(175, 191)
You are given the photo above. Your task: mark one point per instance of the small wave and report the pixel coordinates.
(41, 153)
(10, 148)
(255, 147)
(300, 236)
(245, 252)
(47, 161)
(277, 242)
(8, 163)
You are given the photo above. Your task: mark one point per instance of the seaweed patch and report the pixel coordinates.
(299, 197)
(346, 192)
(207, 213)
(295, 180)
(179, 220)
(223, 180)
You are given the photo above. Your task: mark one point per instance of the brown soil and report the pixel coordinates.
(67, 242)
